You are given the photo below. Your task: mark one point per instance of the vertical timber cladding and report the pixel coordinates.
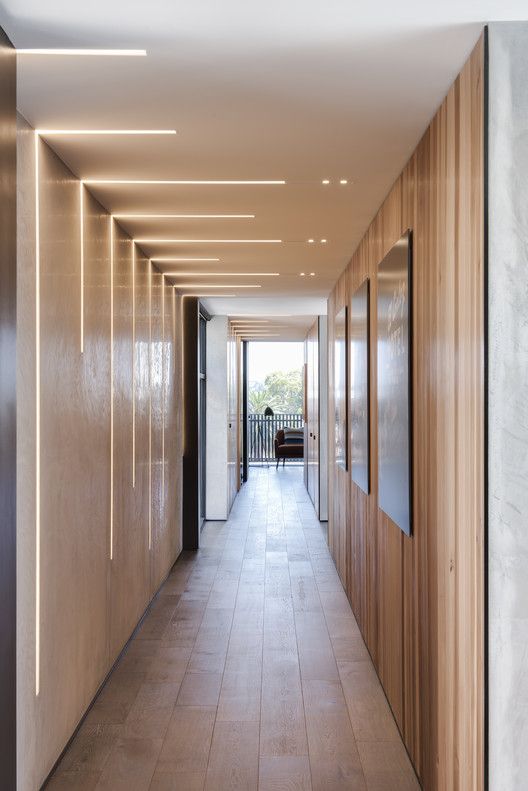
(7, 413)
(419, 600)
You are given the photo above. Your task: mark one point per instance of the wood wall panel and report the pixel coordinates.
(419, 600)
(8, 417)
(89, 603)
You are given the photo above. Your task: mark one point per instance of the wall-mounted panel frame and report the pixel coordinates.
(394, 383)
(341, 388)
(359, 374)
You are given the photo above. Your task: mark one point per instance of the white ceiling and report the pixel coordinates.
(300, 90)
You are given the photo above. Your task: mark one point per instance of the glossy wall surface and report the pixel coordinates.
(8, 439)
(99, 461)
(419, 600)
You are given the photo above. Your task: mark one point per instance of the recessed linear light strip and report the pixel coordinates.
(81, 241)
(133, 365)
(185, 216)
(208, 241)
(111, 387)
(150, 405)
(204, 294)
(37, 418)
(188, 182)
(182, 260)
(66, 132)
(76, 51)
(222, 274)
(213, 285)
(272, 316)
(163, 393)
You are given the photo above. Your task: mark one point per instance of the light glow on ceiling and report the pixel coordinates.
(325, 181)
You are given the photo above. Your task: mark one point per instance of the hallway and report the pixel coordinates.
(248, 672)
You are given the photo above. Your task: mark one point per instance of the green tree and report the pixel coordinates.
(282, 391)
(259, 399)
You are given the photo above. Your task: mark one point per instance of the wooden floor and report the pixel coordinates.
(249, 671)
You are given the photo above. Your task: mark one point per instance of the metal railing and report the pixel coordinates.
(262, 430)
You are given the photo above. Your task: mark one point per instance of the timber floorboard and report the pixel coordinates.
(249, 672)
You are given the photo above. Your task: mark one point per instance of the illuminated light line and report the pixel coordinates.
(202, 294)
(208, 241)
(133, 365)
(76, 51)
(222, 274)
(163, 392)
(66, 132)
(185, 216)
(181, 260)
(111, 387)
(272, 316)
(150, 404)
(37, 417)
(212, 285)
(188, 182)
(81, 223)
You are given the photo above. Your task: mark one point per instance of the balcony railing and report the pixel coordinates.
(261, 434)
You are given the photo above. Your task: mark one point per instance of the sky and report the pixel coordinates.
(264, 358)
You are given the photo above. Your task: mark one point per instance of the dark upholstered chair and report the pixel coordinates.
(287, 450)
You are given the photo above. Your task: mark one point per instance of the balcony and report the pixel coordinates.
(261, 435)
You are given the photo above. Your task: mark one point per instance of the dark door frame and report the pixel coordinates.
(244, 411)
(8, 416)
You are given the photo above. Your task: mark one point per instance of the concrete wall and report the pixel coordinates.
(216, 499)
(508, 406)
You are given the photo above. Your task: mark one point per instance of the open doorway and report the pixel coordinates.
(275, 421)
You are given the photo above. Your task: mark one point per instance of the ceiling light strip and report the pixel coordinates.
(77, 51)
(221, 274)
(208, 241)
(87, 132)
(185, 216)
(203, 294)
(214, 285)
(182, 260)
(188, 182)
